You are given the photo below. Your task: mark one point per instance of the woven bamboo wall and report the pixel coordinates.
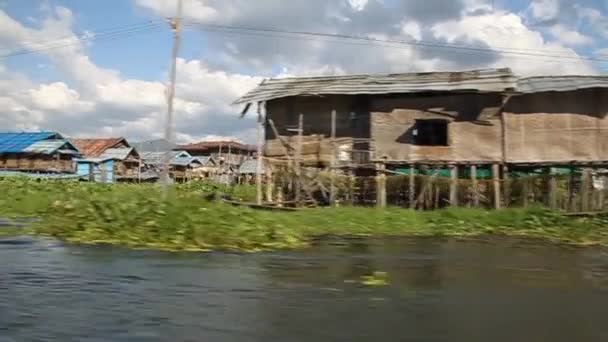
(557, 127)
(393, 120)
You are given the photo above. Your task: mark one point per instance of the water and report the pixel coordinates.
(440, 290)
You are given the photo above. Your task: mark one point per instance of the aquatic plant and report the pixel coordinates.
(136, 215)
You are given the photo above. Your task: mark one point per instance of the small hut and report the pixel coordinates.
(113, 157)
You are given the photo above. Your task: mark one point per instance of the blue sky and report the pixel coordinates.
(115, 87)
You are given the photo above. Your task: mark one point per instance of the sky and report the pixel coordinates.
(100, 68)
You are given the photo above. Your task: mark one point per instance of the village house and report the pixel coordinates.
(108, 160)
(39, 152)
(224, 152)
(182, 165)
(474, 121)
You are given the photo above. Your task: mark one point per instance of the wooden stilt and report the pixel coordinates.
(475, 186)
(332, 174)
(506, 186)
(269, 184)
(380, 185)
(412, 187)
(552, 189)
(453, 185)
(496, 183)
(298, 157)
(585, 187)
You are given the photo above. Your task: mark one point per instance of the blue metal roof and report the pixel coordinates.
(17, 142)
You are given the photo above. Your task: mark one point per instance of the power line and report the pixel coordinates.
(425, 44)
(123, 33)
(72, 38)
(367, 44)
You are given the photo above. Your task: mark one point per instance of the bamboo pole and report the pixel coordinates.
(506, 198)
(332, 174)
(269, 183)
(585, 185)
(298, 159)
(412, 187)
(380, 185)
(475, 186)
(496, 182)
(453, 185)
(552, 189)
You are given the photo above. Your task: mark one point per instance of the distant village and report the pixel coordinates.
(110, 160)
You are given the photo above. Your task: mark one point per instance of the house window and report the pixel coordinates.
(352, 116)
(431, 133)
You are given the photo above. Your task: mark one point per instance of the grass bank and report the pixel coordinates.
(136, 216)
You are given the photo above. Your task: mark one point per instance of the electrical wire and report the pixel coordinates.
(113, 35)
(345, 37)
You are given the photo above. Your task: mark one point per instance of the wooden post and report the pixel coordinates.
(269, 183)
(552, 189)
(298, 157)
(525, 190)
(506, 199)
(91, 172)
(453, 185)
(475, 187)
(571, 189)
(352, 184)
(260, 146)
(496, 182)
(380, 185)
(585, 185)
(332, 172)
(412, 187)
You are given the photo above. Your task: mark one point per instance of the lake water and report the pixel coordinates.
(440, 290)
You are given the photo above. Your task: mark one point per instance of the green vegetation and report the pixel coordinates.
(135, 215)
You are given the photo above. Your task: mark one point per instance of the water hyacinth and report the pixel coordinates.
(136, 215)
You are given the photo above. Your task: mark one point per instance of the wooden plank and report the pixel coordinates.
(260, 145)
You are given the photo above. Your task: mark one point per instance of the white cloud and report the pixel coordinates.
(569, 37)
(412, 29)
(58, 96)
(544, 9)
(504, 31)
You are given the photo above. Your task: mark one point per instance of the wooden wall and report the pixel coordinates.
(393, 119)
(39, 163)
(557, 127)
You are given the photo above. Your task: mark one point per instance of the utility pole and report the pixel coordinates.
(176, 27)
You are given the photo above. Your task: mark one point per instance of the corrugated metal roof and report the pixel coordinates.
(490, 80)
(207, 160)
(250, 166)
(96, 147)
(19, 141)
(50, 146)
(185, 161)
(157, 158)
(539, 84)
(225, 144)
(116, 153)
